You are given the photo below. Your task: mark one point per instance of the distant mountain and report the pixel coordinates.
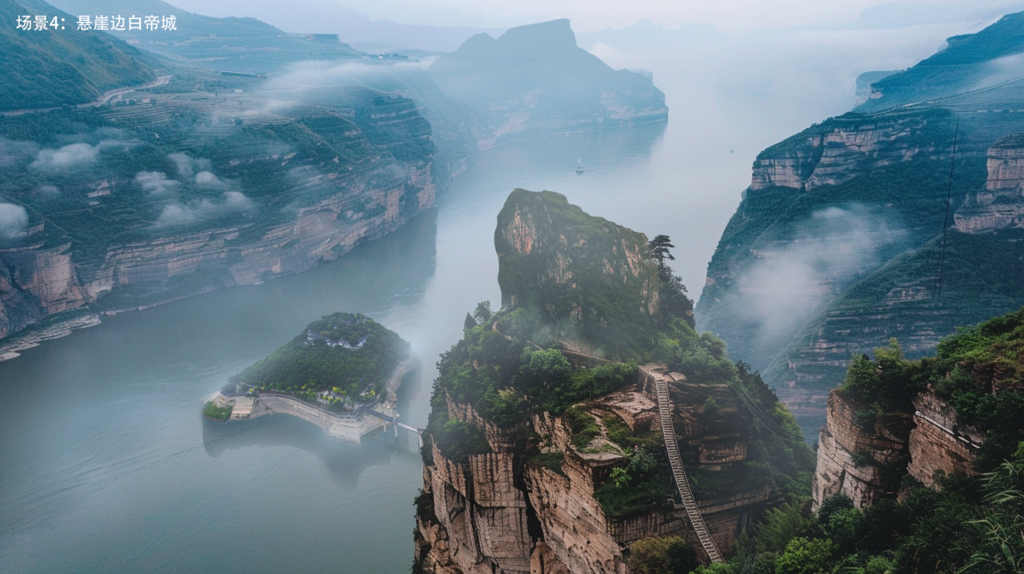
(61, 66)
(967, 63)
(535, 78)
(224, 44)
(188, 24)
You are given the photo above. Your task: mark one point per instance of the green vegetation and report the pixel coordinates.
(978, 371)
(458, 440)
(968, 524)
(212, 411)
(583, 426)
(349, 354)
(971, 525)
(662, 555)
(59, 67)
(643, 484)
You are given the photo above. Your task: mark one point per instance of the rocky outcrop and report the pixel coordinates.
(865, 456)
(498, 512)
(557, 261)
(859, 457)
(1000, 205)
(939, 444)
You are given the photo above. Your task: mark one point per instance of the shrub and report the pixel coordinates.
(662, 555)
(805, 556)
(212, 411)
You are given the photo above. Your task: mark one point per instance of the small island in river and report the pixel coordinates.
(340, 373)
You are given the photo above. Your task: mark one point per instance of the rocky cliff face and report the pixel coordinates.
(540, 458)
(588, 278)
(165, 212)
(866, 458)
(843, 148)
(503, 512)
(1000, 205)
(836, 245)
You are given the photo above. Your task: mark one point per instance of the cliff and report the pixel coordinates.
(167, 196)
(896, 423)
(536, 79)
(542, 458)
(1000, 205)
(587, 278)
(836, 244)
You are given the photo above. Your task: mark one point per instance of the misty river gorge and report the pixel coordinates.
(107, 456)
(104, 454)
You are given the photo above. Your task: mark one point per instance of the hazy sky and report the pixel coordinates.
(589, 15)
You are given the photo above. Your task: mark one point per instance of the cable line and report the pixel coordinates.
(945, 220)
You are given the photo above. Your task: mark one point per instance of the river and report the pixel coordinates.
(106, 464)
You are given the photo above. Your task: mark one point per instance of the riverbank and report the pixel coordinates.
(346, 427)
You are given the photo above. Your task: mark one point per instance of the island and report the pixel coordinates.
(340, 373)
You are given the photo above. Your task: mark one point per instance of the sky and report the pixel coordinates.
(593, 15)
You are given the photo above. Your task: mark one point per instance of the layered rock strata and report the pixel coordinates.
(354, 176)
(867, 463)
(500, 513)
(1000, 205)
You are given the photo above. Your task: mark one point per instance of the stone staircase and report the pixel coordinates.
(682, 484)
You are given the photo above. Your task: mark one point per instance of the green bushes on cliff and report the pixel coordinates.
(971, 525)
(979, 371)
(662, 555)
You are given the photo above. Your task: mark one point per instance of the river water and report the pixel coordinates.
(106, 464)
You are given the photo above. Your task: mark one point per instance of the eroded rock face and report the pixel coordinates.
(938, 444)
(841, 149)
(328, 204)
(1001, 204)
(566, 266)
(858, 460)
(499, 513)
(868, 464)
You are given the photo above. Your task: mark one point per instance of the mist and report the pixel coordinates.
(13, 221)
(789, 283)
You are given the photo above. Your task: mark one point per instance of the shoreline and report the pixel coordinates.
(339, 426)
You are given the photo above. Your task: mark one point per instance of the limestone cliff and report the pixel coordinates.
(590, 279)
(896, 422)
(869, 464)
(1000, 205)
(503, 511)
(186, 201)
(541, 458)
(836, 245)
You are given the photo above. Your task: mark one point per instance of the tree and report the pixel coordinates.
(805, 556)
(482, 313)
(469, 323)
(662, 555)
(659, 250)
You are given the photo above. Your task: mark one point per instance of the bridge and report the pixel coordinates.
(392, 420)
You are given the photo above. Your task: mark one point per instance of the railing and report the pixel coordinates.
(678, 472)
